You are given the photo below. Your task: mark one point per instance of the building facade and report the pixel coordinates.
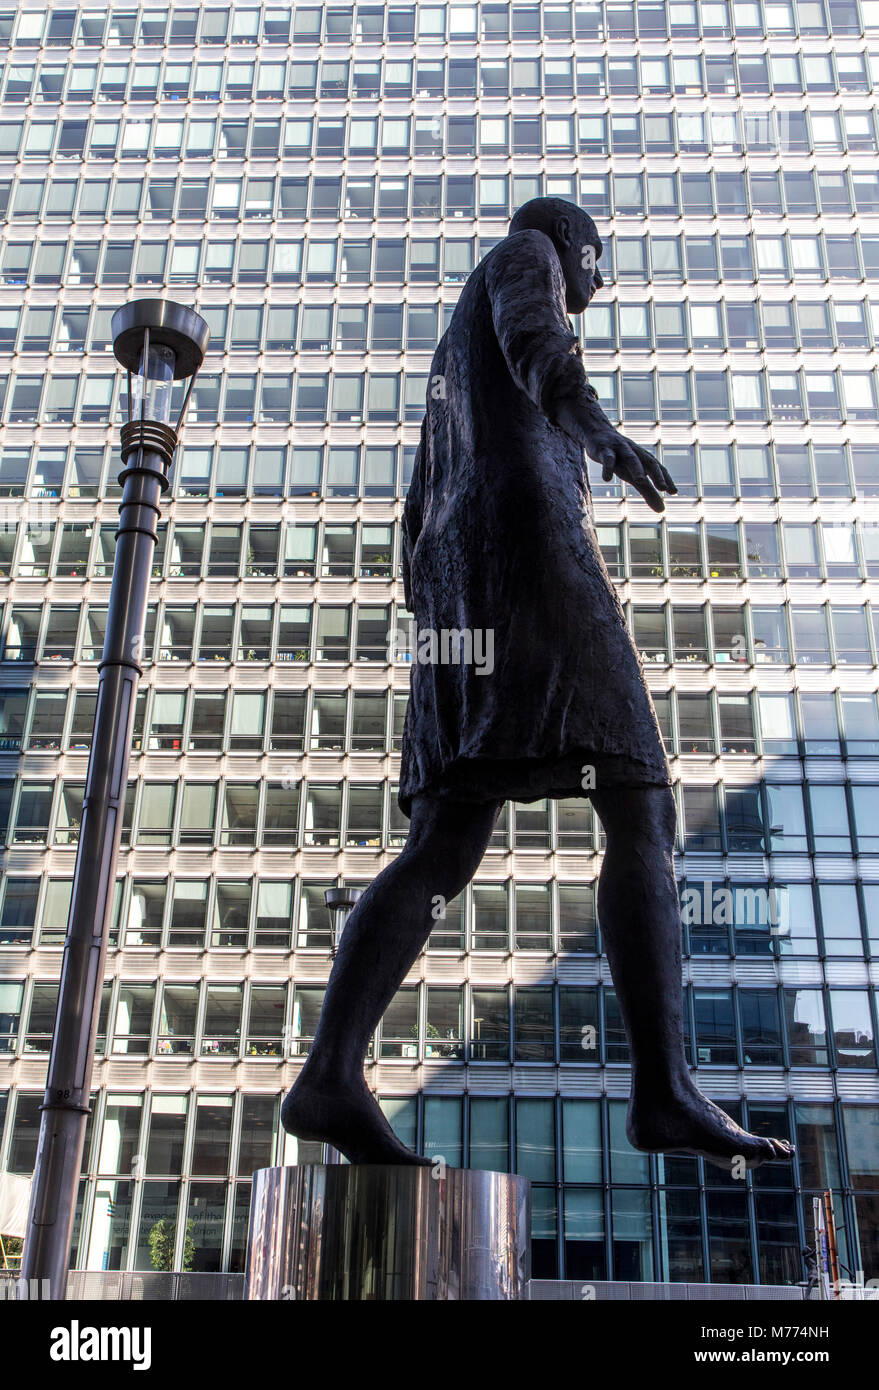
(317, 182)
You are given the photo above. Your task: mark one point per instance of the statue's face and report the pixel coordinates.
(579, 255)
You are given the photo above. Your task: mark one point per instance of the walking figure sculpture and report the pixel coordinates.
(499, 548)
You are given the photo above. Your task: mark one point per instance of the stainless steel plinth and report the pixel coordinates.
(364, 1231)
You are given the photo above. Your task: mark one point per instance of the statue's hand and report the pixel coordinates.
(635, 465)
(616, 454)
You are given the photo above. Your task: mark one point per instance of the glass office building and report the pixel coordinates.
(318, 182)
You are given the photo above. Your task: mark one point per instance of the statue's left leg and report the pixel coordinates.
(640, 917)
(330, 1100)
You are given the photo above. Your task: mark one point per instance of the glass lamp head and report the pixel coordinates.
(158, 342)
(339, 903)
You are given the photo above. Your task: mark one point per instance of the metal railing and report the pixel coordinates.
(113, 1286)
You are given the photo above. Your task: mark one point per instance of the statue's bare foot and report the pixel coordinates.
(686, 1122)
(348, 1117)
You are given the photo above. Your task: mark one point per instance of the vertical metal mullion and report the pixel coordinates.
(231, 1183)
(185, 1177)
(606, 1188)
(703, 1218)
(558, 1185)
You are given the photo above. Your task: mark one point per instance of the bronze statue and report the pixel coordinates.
(501, 559)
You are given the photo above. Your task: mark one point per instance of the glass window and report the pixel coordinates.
(806, 1027)
(840, 915)
(852, 1028)
(861, 1123)
(444, 1026)
(786, 818)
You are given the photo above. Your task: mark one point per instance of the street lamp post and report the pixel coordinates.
(158, 343)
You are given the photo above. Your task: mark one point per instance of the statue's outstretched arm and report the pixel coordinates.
(526, 289)
(412, 520)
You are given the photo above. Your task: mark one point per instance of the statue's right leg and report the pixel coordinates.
(384, 934)
(639, 912)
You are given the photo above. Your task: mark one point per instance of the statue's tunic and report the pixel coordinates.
(546, 697)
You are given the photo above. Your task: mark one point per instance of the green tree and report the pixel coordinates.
(161, 1242)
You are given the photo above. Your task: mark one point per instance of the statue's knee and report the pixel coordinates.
(630, 813)
(666, 811)
(654, 815)
(447, 841)
(466, 850)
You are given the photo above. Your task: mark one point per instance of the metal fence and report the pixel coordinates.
(635, 1291)
(112, 1286)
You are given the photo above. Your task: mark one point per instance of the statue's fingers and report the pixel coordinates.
(606, 456)
(652, 466)
(649, 460)
(635, 470)
(658, 475)
(649, 493)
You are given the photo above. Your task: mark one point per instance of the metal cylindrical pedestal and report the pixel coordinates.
(377, 1231)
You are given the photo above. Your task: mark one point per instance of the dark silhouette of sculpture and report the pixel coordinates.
(500, 556)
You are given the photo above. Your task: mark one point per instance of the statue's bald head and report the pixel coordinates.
(576, 240)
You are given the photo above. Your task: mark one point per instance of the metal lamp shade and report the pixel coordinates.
(339, 903)
(158, 342)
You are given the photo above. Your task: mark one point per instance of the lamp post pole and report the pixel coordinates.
(160, 342)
